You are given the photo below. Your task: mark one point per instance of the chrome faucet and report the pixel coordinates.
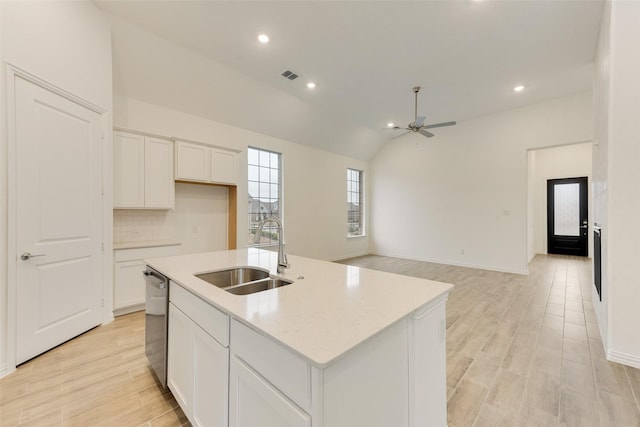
(282, 257)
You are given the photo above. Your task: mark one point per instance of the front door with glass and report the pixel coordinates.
(567, 216)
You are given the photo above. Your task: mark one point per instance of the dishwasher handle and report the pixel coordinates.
(155, 279)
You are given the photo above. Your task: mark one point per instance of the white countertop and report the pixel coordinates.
(144, 244)
(321, 317)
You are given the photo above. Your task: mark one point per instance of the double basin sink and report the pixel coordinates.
(243, 280)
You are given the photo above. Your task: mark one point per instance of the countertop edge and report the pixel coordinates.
(144, 244)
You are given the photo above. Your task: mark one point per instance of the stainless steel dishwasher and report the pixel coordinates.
(157, 320)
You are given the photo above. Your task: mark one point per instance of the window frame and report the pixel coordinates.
(253, 224)
(361, 202)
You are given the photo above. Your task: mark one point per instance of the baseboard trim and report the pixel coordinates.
(457, 264)
(127, 310)
(354, 255)
(623, 358)
(4, 371)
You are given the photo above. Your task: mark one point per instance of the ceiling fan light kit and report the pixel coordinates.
(418, 126)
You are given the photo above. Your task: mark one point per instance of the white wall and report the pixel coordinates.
(461, 197)
(314, 180)
(68, 44)
(162, 72)
(601, 91)
(531, 167)
(552, 163)
(198, 222)
(621, 152)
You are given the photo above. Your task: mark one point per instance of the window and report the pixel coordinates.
(355, 223)
(265, 188)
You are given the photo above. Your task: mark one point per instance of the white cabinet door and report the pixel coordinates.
(255, 402)
(192, 162)
(211, 377)
(223, 166)
(128, 173)
(159, 187)
(129, 284)
(197, 371)
(180, 358)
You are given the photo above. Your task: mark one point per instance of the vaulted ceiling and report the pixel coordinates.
(203, 57)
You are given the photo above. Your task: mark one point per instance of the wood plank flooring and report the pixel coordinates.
(521, 351)
(526, 350)
(100, 378)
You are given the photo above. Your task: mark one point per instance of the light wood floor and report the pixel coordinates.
(525, 350)
(521, 351)
(100, 378)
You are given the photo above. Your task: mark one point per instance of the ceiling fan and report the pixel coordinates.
(418, 124)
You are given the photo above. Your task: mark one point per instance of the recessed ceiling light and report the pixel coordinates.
(311, 85)
(263, 38)
(390, 124)
(519, 88)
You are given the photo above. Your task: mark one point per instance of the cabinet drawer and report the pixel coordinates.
(285, 370)
(209, 318)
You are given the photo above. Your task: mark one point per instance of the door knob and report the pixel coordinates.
(25, 256)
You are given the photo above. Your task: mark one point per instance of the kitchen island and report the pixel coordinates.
(341, 346)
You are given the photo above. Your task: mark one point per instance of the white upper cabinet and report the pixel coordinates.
(200, 163)
(223, 166)
(192, 162)
(143, 172)
(128, 170)
(159, 187)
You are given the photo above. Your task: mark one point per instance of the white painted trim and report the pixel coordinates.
(347, 256)
(174, 139)
(623, 358)
(4, 371)
(10, 343)
(457, 264)
(130, 309)
(107, 219)
(11, 73)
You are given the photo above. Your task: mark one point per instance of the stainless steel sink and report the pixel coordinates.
(233, 276)
(258, 286)
(243, 280)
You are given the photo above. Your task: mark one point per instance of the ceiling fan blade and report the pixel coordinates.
(438, 125)
(419, 121)
(398, 127)
(426, 133)
(402, 134)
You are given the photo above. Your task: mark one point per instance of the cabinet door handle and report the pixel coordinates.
(25, 256)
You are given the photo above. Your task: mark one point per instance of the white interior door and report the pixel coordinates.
(58, 219)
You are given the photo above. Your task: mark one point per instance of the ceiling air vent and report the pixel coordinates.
(289, 75)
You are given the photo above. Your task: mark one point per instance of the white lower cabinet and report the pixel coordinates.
(211, 376)
(198, 362)
(129, 290)
(129, 286)
(395, 378)
(255, 402)
(180, 367)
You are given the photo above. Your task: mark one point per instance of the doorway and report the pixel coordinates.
(567, 216)
(56, 215)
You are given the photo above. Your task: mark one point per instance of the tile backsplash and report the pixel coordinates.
(131, 225)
